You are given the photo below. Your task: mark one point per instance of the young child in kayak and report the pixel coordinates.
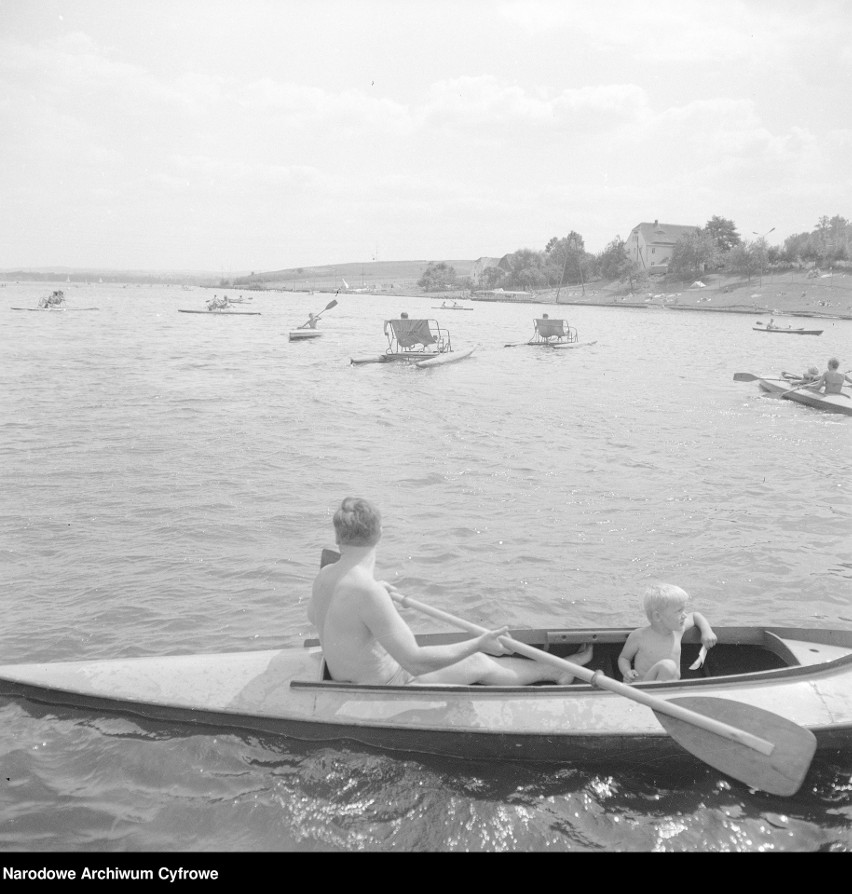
(653, 652)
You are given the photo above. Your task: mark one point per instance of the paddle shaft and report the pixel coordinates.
(596, 678)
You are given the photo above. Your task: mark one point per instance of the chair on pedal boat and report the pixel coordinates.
(416, 336)
(549, 331)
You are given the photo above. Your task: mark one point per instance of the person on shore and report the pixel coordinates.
(832, 380)
(365, 640)
(652, 653)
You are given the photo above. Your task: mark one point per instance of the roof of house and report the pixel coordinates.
(666, 234)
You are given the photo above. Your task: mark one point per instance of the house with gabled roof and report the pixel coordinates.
(651, 244)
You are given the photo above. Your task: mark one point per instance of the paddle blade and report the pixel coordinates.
(780, 773)
(330, 305)
(745, 377)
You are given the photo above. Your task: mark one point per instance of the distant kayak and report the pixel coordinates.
(301, 334)
(786, 330)
(224, 313)
(54, 309)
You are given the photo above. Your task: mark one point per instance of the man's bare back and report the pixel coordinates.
(351, 651)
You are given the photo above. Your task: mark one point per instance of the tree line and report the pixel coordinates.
(717, 247)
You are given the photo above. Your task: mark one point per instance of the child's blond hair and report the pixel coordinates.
(659, 597)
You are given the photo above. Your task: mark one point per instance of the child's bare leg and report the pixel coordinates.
(662, 670)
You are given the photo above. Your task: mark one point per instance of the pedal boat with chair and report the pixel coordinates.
(788, 686)
(553, 333)
(420, 342)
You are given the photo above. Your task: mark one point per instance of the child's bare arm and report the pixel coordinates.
(708, 637)
(625, 659)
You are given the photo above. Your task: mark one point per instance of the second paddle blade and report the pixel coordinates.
(780, 773)
(745, 377)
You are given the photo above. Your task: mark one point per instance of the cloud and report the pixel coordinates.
(486, 101)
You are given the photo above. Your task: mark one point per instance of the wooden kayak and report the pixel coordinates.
(420, 359)
(54, 309)
(801, 674)
(302, 334)
(830, 403)
(226, 313)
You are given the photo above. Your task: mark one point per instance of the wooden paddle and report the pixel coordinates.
(748, 377)
(327, 307)
(759, 748)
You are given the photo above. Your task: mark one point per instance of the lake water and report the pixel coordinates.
(168, 482)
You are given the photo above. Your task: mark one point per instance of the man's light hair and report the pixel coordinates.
(357, 523)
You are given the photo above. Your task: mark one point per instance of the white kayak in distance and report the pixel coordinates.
(303, 334)
(54, 309)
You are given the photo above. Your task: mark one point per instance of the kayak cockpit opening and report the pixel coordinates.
(740, 650)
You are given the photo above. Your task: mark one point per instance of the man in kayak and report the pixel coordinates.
(831, 380)
(365, 640)
(652, 653)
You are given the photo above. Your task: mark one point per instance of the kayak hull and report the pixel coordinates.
(804, 675)
(54, 310)
(303, 334)
(840, 404)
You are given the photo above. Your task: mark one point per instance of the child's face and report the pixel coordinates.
(673, 617)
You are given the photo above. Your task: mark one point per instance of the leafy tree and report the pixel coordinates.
(613, 261)
(565, 259)
(743, 259)
(723, 232)
(492, 276)
(437, 276)
(692, 253)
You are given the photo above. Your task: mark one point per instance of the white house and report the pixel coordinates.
(651, 244)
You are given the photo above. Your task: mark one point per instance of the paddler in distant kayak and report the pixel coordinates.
(312, 322)
(365, 640)
(55, 299)
(216, 303)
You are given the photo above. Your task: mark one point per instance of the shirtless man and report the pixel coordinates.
(365, 640)
(831, 380)
(653, 652)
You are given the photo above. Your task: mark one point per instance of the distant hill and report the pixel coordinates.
(378, 275)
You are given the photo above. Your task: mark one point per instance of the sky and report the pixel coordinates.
(258, 135)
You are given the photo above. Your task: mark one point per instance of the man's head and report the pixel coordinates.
(833, 363)
(357, 523)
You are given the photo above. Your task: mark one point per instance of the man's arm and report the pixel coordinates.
(384, 622)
